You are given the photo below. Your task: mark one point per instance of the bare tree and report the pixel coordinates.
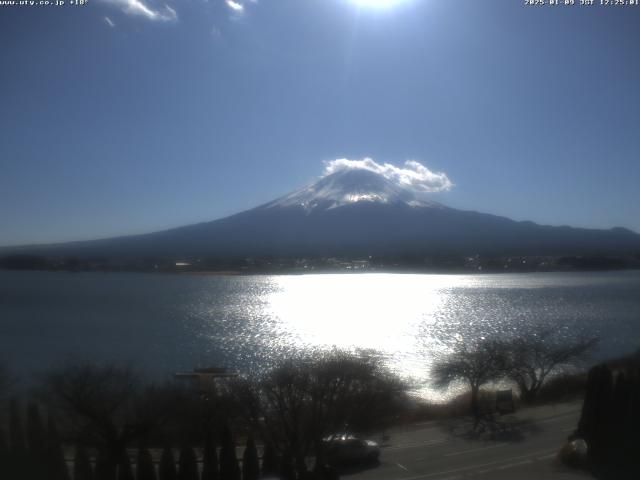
(105, 406)
(474, 365)
(301, 401)
(533, 357)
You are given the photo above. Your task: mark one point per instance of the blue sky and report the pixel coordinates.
(128, 116)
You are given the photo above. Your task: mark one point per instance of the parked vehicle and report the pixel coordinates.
(350, 449)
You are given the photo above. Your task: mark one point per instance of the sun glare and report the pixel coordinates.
(377, 3)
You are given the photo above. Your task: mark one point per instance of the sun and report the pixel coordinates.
(377, 3)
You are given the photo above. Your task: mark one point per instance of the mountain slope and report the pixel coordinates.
(354, 212)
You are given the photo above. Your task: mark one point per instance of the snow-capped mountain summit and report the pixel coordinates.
(348, 187)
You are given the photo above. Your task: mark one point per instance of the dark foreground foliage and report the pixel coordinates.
(610, 419)
(529, 361)
(301, 401)
(113, 425)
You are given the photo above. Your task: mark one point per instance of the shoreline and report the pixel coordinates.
(278, 272)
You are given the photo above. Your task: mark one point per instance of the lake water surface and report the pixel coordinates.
(167, 323)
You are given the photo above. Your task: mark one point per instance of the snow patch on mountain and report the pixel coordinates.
(350, 186)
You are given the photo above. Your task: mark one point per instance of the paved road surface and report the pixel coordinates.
(522, 446)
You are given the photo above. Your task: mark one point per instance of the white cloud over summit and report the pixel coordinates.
(412, 174)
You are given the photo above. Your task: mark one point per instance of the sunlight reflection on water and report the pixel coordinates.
(381, 312)
(403, 316)
(166, 323)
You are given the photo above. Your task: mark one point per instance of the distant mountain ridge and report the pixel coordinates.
(353, 212)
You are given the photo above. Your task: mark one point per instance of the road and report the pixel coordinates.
(521, 446)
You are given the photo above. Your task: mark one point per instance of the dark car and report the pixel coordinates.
(350, 449)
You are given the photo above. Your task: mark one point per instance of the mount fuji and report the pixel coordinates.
(347, 187)
(352, 212)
